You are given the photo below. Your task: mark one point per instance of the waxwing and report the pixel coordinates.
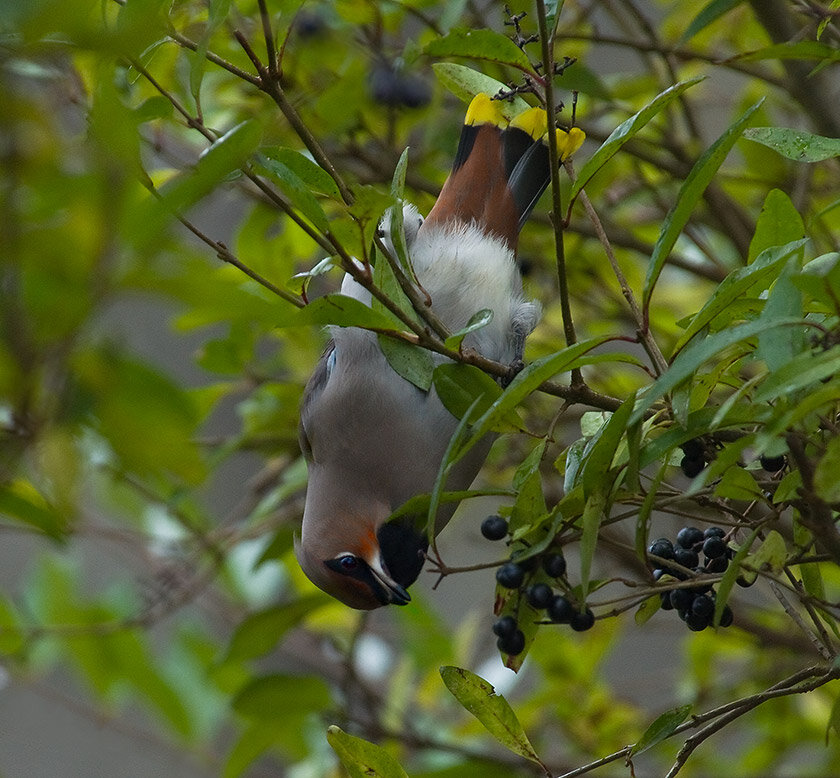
(371, 438)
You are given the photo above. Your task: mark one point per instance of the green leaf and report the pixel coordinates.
(807, 50)
(311, 174)
(270, 696)
(732, 572)
(465, 83)
(771, 555)
(779, 223)
(827, 474)
(361, 758)
(646, 610)
(479, 44)
(491, 709)
(20, 501)
(413, 363)
(528, 381)
(738, 484)
(478, 320)
(797, 145)
(260, 632)
(295, 189)
(458, 386)
(711, 12)
(777, 348)
(598, 461)
(339, 310)
(820, 279)
(799, 373)
(662, 728)
(697, 353)
(11, 635)
(690, 192)
(593, 515)
(625, 131)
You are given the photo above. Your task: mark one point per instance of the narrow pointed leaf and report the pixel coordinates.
(661, 728)
(711, 12)
(465, 83)
(626, 130)
(693, 187)
(480, 44)
(361, 758)
(491, 709)
(797, 145)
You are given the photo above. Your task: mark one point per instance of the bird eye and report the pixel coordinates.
(348, 563)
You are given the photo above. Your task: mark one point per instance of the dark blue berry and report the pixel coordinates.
(540, 595)
(504, 626)
(692, 467)
(494, 528)
(510, 575)
(582, 621)
(726, 617)
(686, 557)
(662, 547)
(696, 623)
(512, 644)
(703, 605)
(714, 547)
(714, 532)
(688, 537)
(772, 464)
(554, 565)
(681, 599)
(717, 565)
(560, 610)
(665, 598)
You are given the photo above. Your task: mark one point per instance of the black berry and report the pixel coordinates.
(717, 565)
(540, 595)
(726, 617)
(714, 532)
(686, 557)
(665, 598)
(582, 621)
(512, 644)
(662, 547)
(560, 610)
(688, 537)
(693, 449)
(494, 528)
(554, 565)
(744, 582)
(504, 626)
(714, 547)
(692, 467)
(703, 605)
(510, 575)
(696, 623)
(681, 599)
(772, 464)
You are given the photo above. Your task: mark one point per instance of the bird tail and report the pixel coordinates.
(501, 168)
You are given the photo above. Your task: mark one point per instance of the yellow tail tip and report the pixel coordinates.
(483, 110)
(533, 121)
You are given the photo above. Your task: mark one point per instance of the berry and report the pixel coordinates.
(716, 565)
(554, 565)
(414, 91)
(560, 610)
(772, 464)
(714, 532)
(742, 581)
(658, 573)
(714, 547)
(510, 575)
(681, 599)
(692, 467)
(309, 24)
(665, 597)
(528, 564)
(512, 644)
(696, 623)
(582, 621)
(703, 605)
(662, 547)
(727, 617)
(688, 537)
(686, 557)
(693, 449)
(494, 528)
(504, 626)
(540, 595)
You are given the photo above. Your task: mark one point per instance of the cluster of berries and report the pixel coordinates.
(695, 459)
(540, 595)
(695, 605)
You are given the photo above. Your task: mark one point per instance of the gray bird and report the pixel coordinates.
(372, 439)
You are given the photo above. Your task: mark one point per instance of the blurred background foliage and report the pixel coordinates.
(161, 219)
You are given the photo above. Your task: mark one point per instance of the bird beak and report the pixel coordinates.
(391, 592)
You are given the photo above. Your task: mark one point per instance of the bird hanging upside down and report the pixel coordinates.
(371, 438)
